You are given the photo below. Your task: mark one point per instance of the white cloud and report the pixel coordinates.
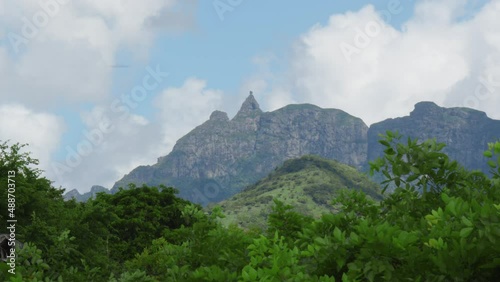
(385, 73)
(132, 140)
(40, 130)
(438, 57)
(110, 146)
(62, 52)
(59, 53)
(186, 107)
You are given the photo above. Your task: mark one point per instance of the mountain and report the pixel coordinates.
(466, 132)
(220, 157)
(85, 196)
(308, 183)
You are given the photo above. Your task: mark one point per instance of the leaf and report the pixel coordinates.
(445, 198)
(320, 241)
(465, 232)
(385, 143)
(488, 154)
(497, 148)
(414, 170)
(412, 177)
(354, 238)
(432, 243)
(492, 164)
(389, 151)
(466, 221)
(337, 234)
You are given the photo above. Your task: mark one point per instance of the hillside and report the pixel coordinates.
(308, 183)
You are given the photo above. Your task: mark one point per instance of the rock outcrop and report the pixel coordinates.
(85, 196)
(220, 157)
(466, 132)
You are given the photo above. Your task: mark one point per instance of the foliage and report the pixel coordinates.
(441, 223)
(309, 182)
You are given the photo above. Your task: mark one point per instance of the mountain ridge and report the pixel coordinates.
(222, 156)
(237, 152)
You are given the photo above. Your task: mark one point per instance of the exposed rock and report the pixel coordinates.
(219, 116)
(72, 194)
(220, 157)
(85, 196)
(466, 132)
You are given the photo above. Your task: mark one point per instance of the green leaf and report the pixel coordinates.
(412, 177)
(414, 170)
(397, 181)
(497, 148)
(445, 198)
(337, 234)
(488, 154)
(466, 221)
(354, 238)
(492, 164)
(465, 232)
(385, 143)
(389, 151)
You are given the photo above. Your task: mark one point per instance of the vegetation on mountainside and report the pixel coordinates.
(308, 183)
(441, 223)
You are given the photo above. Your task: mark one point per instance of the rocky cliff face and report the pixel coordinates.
(466, 132)
(221, 157)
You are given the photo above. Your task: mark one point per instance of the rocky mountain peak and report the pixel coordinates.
(97, 189)
(424, 108)
(250, 106)
(72, 194)
(219, 116)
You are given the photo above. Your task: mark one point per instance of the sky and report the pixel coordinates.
(97, 88)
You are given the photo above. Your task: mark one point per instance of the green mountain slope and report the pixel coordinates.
(308, 183)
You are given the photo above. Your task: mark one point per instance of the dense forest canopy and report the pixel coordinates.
(441, 223)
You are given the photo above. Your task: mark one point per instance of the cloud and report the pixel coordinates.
(185, 107)
(359, 63)
(114, 143)
(110, 146)
(59, 52)
(180, 17)
(42, 131)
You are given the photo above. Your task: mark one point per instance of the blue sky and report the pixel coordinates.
(373, 59)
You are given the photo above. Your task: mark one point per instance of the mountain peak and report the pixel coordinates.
(425, 108)
(249, 106)
(426, 104)
(219, 116)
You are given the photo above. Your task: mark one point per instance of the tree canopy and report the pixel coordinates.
(440, 223)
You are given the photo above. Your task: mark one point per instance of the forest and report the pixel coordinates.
(440, 223)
